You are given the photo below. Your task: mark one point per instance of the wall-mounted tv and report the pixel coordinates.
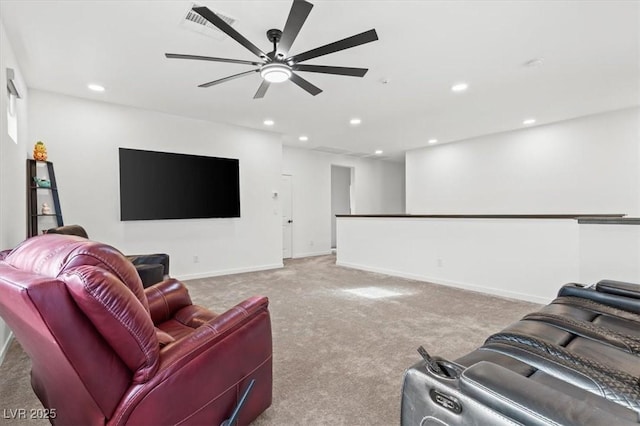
(163, 185)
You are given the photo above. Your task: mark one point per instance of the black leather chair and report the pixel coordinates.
(574, 362)
(152, 268)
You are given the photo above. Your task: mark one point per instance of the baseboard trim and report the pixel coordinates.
(312, 254)
(465, 286)
(5, 347)
(228, 272)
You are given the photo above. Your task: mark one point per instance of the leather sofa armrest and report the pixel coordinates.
(213, 363)
(533, 403)
(619, 288)
(166, 298)
(219, 327)
(613, 293)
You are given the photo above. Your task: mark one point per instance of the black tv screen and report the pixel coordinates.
(162, 185)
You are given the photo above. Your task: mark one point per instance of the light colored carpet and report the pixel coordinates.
(338, 356)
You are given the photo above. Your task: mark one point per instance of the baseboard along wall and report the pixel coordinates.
(228, 272)
(464, 286)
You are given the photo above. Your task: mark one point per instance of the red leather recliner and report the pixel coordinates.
(105, 351)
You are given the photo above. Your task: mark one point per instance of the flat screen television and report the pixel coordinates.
(162, 185)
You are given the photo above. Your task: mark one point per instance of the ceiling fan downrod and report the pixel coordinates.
(274, 36)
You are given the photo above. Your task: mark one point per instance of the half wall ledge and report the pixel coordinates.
(615, 216)
(609, 221)
(521, 256)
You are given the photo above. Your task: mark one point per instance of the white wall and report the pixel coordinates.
(587, 165)
(378, 188)
(13, 215)
(83, 137)
(609, 252)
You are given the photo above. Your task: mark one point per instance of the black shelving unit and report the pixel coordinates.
(33, 200)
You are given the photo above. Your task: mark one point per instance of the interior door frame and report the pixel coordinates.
(284, 242)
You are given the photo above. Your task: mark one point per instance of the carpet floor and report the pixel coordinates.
(341, 338)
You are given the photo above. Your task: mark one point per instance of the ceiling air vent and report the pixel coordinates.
(197, 23)
(339, 151)
(330, 150)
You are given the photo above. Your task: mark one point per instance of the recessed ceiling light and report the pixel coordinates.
(95, 87)
(355, 121)
(529, 121)
(269, 122)
(432, 141)
(379, 151)
(459, 87)
(303, 138)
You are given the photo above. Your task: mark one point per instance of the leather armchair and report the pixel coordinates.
(106, 351)
(152, 268)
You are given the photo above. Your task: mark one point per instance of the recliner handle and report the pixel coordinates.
(236, 411)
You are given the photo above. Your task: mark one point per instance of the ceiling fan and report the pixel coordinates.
(277, 66)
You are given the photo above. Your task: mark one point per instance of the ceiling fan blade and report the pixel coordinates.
(305, 84)
(262, 90)
(353, 41)
(231, 77)
(227, 29)
(300, 9)
(353, 72)
(210, 58)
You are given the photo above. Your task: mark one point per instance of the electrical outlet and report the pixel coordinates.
(311, 243)
(196, 259)
(440, 263)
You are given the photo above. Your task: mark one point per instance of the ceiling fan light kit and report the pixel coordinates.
(277, 66)
(275, 72)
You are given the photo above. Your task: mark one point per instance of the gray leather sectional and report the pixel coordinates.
(574, 362)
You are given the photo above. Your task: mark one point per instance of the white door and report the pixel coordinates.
(287, 219)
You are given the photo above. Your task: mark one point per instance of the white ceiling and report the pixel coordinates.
(590, 50)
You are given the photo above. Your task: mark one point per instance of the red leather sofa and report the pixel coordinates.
(106, 351)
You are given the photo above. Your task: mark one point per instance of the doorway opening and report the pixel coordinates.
(341, 199)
